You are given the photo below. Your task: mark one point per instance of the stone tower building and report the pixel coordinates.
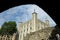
(31, 26)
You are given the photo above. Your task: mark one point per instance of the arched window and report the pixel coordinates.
(24, 30)
(38, 26)
(42, 39)
(31, 28)
(27, 29)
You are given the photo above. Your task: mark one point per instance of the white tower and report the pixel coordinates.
(20, 29)
(34, 20)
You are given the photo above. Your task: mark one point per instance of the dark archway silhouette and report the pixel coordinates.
(54, 32)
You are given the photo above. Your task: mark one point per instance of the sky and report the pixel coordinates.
(24, 13)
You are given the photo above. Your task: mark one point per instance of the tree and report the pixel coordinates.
(8, 28)
(0, 31)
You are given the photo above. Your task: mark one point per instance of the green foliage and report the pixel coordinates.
(8, 28)
(0, 31)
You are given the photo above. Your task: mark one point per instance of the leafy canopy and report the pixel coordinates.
(8, 28)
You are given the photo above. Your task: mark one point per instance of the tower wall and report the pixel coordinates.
(20, 25)
(47, 22)
(34, 21)
(20, 30)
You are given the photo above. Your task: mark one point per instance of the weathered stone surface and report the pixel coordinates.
(40, 35)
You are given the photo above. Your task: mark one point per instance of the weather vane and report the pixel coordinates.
(34, 10)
